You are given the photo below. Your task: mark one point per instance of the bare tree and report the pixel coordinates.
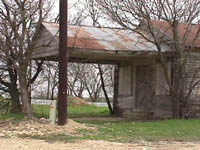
(8, 80)
(177, 32)
(95, 14)
(76, 79)
(104, 90)
(83, 79)
(48, 78)
(20, 28)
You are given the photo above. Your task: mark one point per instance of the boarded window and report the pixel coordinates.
(125, 80)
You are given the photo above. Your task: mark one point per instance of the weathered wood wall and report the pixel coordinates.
(143, 90)
(47, 45)
(193, 82)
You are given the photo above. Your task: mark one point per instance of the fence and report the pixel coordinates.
(40, 101)
(48, 102)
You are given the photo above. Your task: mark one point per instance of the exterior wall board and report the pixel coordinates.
(125, 77)
(193, 76)
(158, 104)
(162, 87)
(47, 46)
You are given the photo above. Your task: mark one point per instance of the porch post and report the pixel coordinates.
(115, 91)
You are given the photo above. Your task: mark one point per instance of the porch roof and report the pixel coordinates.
(187, 33)
(94, 44)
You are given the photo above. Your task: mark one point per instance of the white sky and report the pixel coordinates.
(75, 7)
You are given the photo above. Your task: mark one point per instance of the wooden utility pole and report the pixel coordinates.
(62, 59)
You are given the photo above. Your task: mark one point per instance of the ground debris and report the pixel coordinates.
(40, 127)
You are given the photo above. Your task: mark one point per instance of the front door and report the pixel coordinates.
(145, 87)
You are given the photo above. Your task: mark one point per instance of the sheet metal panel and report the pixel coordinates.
(93, 38)
(191, 31)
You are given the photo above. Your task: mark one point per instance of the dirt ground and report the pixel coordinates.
(9, 138)
(30, 144)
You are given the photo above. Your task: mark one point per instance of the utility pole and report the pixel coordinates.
(62, 60)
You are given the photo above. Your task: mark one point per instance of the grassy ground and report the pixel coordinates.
(128, 131)
(74, 111)
(42, 111)
(123, 131)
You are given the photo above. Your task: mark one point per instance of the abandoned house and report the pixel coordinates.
(140, 81)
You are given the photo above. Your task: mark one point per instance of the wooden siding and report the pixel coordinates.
(156, 102)
(193, 76)
(125, 80)
(47, 45)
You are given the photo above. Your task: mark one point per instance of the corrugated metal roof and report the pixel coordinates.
(190, 31)
(93, 38)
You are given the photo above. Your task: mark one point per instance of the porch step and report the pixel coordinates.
(138, 115)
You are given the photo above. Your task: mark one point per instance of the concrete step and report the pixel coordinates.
(138, 114)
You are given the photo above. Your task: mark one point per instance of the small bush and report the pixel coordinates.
(4, 105)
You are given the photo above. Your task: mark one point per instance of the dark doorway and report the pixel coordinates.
(145, 86)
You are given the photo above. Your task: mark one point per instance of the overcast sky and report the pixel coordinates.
(75, 7)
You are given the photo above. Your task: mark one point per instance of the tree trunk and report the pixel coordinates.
(116, 109)
(90, 94)
(95, 96)
(15, 107)
(178, 93)
(104, 91)
(52, 93)
(175, 107)
(48, 81)
(27, 109)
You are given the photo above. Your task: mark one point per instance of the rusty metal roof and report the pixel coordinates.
(190, 31)
(94, 38)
